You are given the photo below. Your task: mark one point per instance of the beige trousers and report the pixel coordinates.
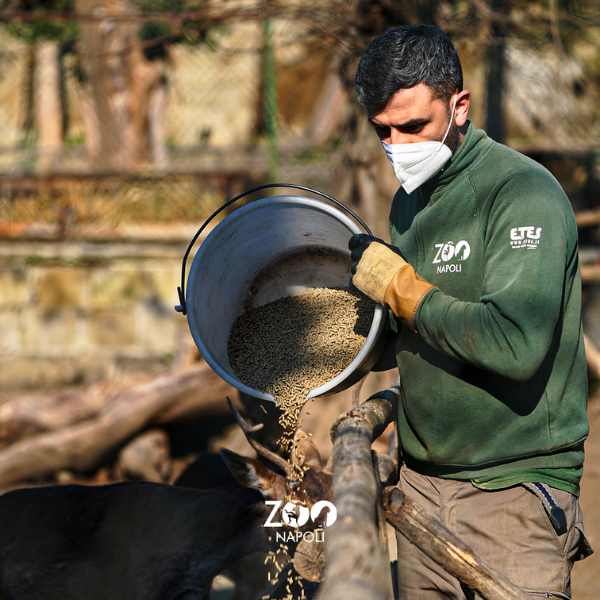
(508, 528)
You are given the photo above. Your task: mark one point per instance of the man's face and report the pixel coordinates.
(413, 115)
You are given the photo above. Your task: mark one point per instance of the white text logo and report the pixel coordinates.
(296, 514)
(448, 251)
(525, 237)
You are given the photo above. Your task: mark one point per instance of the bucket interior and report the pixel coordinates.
(274, 247)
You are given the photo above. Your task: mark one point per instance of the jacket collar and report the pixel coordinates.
(474, 144)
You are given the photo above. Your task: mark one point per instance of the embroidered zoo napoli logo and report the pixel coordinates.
(525, 237)
(447, 252)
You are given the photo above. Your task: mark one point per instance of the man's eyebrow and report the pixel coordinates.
(410, 123)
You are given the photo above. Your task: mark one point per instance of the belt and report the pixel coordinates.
(550, 502)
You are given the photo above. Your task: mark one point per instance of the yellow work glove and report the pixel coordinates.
(380, 272)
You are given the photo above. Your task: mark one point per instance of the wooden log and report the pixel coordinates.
(309, 560)
(388, 470)
(592, 357)
(590, 273)
(587, 218)
(206, 397)
(381, 521)
(32, 414)
(145, 458)
(357, 566)
(446, 549)
(84, 446)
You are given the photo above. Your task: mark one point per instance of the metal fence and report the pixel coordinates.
(123, 118)
(172, 113)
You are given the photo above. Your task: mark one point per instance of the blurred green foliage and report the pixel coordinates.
(187, 31)
(164, 33)
(46, 29)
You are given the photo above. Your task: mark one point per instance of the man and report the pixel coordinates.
(483, 285)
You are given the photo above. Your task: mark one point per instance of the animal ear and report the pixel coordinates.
(249, 472)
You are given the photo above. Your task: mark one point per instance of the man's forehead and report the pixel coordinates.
(412, 103)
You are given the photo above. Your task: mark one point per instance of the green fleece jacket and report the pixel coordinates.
(494, 382)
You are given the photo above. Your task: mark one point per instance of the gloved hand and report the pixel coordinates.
(359, 242)
(381, 273)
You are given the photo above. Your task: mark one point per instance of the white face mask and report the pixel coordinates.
(414, 164)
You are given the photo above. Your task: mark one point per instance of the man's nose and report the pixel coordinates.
(397, 137)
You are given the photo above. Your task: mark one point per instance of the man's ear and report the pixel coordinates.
(463, 102)
(249, 472)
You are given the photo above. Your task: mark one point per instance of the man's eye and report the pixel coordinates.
(382, 132)
(413, 129)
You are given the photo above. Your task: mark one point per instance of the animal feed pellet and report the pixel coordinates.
(295, 344)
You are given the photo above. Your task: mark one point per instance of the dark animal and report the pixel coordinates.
(140, 541)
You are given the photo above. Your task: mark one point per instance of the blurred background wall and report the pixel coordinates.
(124, 124)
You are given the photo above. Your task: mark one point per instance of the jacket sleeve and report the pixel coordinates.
(527, 257)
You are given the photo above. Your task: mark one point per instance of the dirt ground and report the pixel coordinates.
(586, 574)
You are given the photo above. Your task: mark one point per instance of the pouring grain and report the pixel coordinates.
(295, 344)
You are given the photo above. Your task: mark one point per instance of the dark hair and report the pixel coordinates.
(403, 57)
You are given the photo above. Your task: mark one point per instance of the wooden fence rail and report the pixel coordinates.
(357, 566)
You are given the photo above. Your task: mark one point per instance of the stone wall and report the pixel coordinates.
(77, 312)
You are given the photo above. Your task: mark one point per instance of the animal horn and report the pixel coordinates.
(260, 449)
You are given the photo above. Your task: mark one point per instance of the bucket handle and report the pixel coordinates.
(182, 308)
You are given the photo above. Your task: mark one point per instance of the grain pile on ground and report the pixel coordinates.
(295, 344)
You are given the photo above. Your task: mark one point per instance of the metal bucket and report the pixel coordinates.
(274, 247)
